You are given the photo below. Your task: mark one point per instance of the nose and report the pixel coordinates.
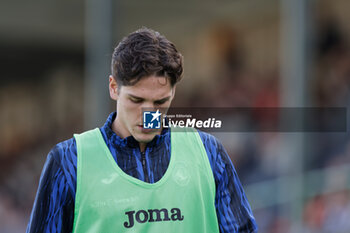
(148, 106)
(145, 107)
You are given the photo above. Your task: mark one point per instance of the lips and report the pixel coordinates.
(145, 130)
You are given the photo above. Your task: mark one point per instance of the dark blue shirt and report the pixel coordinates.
(53, 209)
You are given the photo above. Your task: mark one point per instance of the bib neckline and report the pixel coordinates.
(132, 179)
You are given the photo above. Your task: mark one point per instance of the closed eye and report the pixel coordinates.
(162, 101)
(159, 102)
(136, 100)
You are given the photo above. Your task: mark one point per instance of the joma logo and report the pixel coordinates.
(152, 215)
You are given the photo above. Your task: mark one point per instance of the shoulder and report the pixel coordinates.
(209, 139)
(219, 159)
(64, 152)
(64, 155)
(216, 152)
(213, 146)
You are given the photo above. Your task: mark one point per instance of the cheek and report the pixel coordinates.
(131, 112)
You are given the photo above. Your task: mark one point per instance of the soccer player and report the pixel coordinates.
(125, 178)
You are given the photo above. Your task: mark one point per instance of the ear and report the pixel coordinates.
(113, 88)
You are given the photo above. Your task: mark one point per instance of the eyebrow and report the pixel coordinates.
(137, 97)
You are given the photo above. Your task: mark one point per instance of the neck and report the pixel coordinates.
(142, 146)
(116, 127)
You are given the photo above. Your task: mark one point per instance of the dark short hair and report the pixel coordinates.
(143, 53)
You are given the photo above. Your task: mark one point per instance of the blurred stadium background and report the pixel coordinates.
(55, 58)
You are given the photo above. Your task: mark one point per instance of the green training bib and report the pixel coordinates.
(110, 201)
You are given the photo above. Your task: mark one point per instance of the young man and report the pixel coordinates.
(124, 178)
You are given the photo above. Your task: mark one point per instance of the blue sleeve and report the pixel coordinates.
(53, 209)
(232, 207)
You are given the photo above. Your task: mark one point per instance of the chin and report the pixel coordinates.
(144, 138)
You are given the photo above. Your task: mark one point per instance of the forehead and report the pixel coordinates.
(153, 87)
